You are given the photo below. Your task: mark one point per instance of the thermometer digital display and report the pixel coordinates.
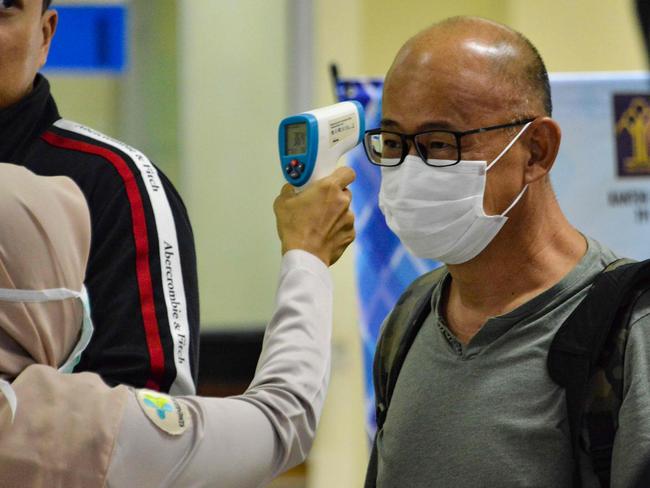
(311, 143)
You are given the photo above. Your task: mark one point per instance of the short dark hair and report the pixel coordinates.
(46, 4)
(537, 75)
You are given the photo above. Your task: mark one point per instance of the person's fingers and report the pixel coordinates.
(347, 195)
(343, 242)
(343, 225)
(347, 220)
(343, 176)
(334, 201)
(287, 189)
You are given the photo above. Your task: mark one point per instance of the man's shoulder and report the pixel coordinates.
(641, 312)
(99, 164)
(423, 283)
(407, 303)
(95, 150)
(598, 253)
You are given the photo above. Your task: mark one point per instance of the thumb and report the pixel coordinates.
(343, 176)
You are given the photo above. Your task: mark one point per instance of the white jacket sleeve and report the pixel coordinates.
(245, 440)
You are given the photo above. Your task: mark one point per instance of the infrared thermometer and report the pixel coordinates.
(311, 143)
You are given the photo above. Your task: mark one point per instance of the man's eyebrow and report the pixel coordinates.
(388, 123)
(431, 125)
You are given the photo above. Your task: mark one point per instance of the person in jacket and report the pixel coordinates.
(72, 430)
(141, 273)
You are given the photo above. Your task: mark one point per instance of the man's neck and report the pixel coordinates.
(527, 257)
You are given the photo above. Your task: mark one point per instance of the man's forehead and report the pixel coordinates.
(409, 115)
(457, 54)
(452, 77)
(442, 95)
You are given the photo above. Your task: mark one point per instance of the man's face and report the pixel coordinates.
(452, 87)
(25, 35)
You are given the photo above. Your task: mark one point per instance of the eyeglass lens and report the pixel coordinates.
(388, 149)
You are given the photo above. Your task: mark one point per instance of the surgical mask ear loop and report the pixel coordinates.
(515, 201)
(28, 296)
(87, 330)
(10, 395)
(49, 295)
(494, 161)
(37, 296)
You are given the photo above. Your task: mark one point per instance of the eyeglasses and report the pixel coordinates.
(436, 148)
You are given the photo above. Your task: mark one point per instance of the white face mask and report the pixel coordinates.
(437, 212)
(50, 295)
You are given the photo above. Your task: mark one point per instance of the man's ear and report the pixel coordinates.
(544, 136)
(49, 21)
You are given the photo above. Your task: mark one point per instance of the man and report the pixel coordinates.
(141, 275)
(467, 144)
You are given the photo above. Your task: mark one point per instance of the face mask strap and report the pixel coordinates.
(494, 161)
(515, 201)
(51, 295)
(48, 295)
(36, 296)
(9, 393)
(87, 330)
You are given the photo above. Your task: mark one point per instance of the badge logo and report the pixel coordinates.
(161, 405)
(165, 412)
(632, 112)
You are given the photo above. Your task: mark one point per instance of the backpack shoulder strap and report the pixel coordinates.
(397, 335)
(583, 357)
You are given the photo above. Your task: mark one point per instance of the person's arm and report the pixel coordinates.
(142, 283)
(631, 455)
(145, 304)
(141, 273)
(247, 440)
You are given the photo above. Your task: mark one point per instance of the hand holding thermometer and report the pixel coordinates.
(311, 143)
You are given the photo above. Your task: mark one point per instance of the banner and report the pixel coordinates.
(383, 266)
(602, 173)
(601, 178)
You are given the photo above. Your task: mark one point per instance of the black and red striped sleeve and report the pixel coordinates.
(141, 275)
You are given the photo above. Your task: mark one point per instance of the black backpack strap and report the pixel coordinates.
(584, 353)
(371, 471)
(397, 336)
(400, 344)
(605, 391)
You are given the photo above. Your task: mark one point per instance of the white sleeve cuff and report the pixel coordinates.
(299, 259)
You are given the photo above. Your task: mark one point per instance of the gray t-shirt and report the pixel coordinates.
(488, 414)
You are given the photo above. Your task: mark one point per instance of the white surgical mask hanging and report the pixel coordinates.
(50, 295)
(437, 212)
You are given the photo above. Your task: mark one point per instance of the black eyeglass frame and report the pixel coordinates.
(406, 148)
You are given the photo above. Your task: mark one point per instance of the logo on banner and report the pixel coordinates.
(633, 134)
